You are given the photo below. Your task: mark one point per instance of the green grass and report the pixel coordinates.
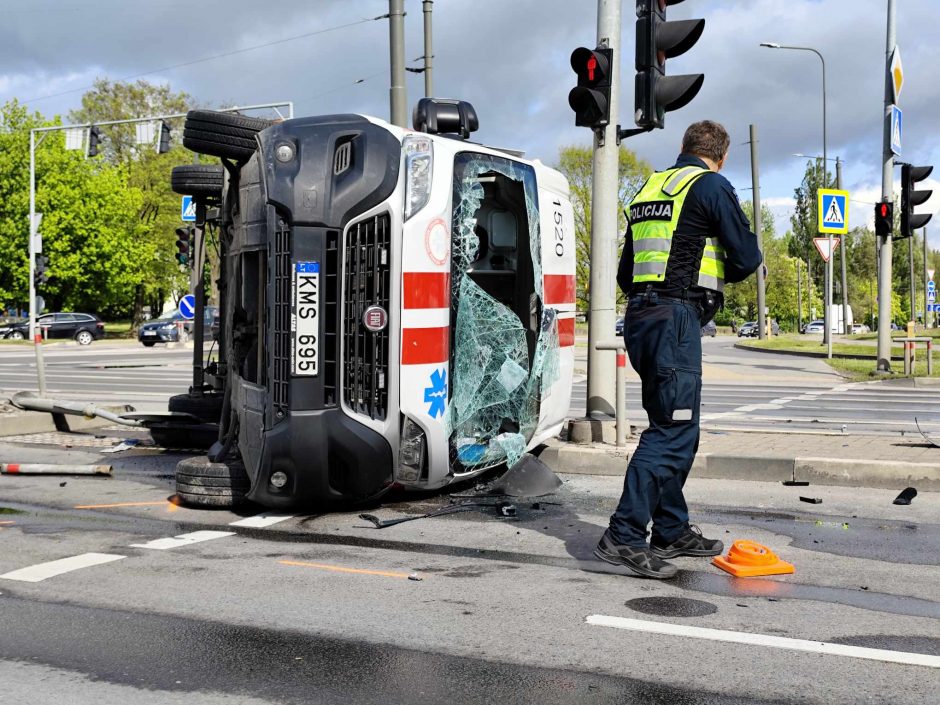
(118, 329)
(795, 343)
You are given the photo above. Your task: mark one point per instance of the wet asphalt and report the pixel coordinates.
(161, 653)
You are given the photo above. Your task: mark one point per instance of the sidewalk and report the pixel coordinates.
(889, 462)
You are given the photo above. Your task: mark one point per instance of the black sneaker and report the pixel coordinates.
(639, 559)
(691, 543)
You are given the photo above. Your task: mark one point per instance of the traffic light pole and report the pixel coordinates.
(758, 229)
(887, 188)
(604, 207)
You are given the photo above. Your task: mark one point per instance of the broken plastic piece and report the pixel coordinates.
(906, 496)
(529, 477)
(747, 559)
(506, 509)
(811, 500)
(795, 483)
(415, 577)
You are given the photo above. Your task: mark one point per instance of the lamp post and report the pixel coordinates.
(828, 317)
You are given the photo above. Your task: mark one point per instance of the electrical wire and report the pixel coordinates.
(214, 56)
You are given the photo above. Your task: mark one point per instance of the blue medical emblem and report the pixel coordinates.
(436, 394)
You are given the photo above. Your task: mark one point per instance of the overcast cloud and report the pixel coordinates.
(510, 59)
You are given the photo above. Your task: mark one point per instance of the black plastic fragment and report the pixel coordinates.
(906, 496)
(811, 500)
(795, 483)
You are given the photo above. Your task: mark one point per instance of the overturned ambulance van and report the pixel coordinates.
(398, 305)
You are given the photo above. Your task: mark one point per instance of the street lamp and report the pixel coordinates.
(828, 316)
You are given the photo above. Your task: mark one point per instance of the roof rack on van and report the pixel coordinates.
(445, 116)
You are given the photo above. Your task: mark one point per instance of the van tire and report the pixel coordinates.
(207, 408)
(197, 180)
(222, 134)
(202, 483)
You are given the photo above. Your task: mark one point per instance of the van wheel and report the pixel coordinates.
(222, 134)
(197, 180)
(202, 483)
(207, 408)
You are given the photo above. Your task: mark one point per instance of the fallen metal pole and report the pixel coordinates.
(48, 469)
(29, 402)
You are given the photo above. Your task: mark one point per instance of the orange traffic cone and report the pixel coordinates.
(747, 559)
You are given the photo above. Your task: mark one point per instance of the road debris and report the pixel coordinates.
(906, 496)
(795, 483)
(47, 469)
(748, 559)
(125, 444)
(811, 500)
(453, 509)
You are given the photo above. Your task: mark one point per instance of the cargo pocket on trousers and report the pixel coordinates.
(677, 396)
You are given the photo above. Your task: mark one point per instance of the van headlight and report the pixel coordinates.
(419, 162)
(413, 451)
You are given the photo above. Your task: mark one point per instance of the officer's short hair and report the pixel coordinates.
(706, 138)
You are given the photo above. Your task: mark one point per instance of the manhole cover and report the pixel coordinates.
(672, 606)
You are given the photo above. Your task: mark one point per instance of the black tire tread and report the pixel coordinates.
(231, 120)
(206, 408)
(214, 501)
(217, 149)
(200, 466)
(197, 179)
(210, 491)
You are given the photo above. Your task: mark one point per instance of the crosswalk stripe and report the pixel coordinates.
(42, 571)
(183, 540)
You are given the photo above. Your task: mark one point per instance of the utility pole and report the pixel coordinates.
(913, 288)
(845, 252)
(601, 365)
(755, 183)
(428, 6)
(926, 278)
(398, 97)
(799, 296)
(887, 194)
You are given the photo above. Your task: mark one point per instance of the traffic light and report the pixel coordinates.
(163, 142)
(656, 41)
(40, 275)
(884, 218)
(183, 240)
(910, 199)
(590, 99)
(94, 139)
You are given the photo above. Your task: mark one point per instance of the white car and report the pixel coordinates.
(860, 328)
(814, 327)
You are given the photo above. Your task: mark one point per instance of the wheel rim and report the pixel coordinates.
(84, 338)
(16, 335)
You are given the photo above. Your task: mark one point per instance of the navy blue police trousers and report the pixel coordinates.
(663, 339)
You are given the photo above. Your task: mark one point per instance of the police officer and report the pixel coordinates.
(687, 236)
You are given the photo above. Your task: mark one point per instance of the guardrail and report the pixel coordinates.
(623, 425)
(910, 353)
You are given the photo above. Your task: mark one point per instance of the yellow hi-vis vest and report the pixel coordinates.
(654, 214)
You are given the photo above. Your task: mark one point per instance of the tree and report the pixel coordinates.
(90, 231)
(147, 171)
(576, 163)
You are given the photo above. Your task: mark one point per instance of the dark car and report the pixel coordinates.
(710, 329)
(82, 327)
(165, 329)
(619, 326)
(749, 329)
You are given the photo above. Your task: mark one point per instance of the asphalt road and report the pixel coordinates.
(741, 388)
(322, 608)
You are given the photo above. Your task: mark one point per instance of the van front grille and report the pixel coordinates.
(366, 283)
(280, 333)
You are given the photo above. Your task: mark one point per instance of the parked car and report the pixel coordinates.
(619, 327)
(749, 329)
(710, 329)
(82, 327)
(860, 328)
(165, 329)
(814, 327)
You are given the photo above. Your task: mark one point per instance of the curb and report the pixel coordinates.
(881, 474)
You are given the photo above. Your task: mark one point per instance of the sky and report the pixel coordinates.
(510, 59)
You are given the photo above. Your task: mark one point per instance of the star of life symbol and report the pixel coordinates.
(436, 393)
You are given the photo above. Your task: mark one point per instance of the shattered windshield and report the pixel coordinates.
(505, 344)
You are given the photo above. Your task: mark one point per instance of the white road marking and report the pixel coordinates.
(41, 571)
(777, 642)
(183, 540)
(262, 520)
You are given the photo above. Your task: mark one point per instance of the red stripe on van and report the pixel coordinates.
(566, 332)
(559, 289)
(426, 289)
(424, 346)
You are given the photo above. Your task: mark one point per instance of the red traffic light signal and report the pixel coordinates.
(590, 99)
(884, 218)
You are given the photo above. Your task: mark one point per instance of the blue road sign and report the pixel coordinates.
(930, 285)
(896, 116)
(933, 307)
(931, 296)
(188, 210)
(833, 211)
(188, 307)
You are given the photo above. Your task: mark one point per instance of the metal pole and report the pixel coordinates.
(926, 315)
(826, 184)
(913, 286)
(396, 39)
(428, 7)
(799, 296)
(845, 252)
(34, 335)
(755, 183)
(887, 194)
(601, 368)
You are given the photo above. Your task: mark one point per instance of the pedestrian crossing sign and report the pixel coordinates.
(188, 210)
(833, 208)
